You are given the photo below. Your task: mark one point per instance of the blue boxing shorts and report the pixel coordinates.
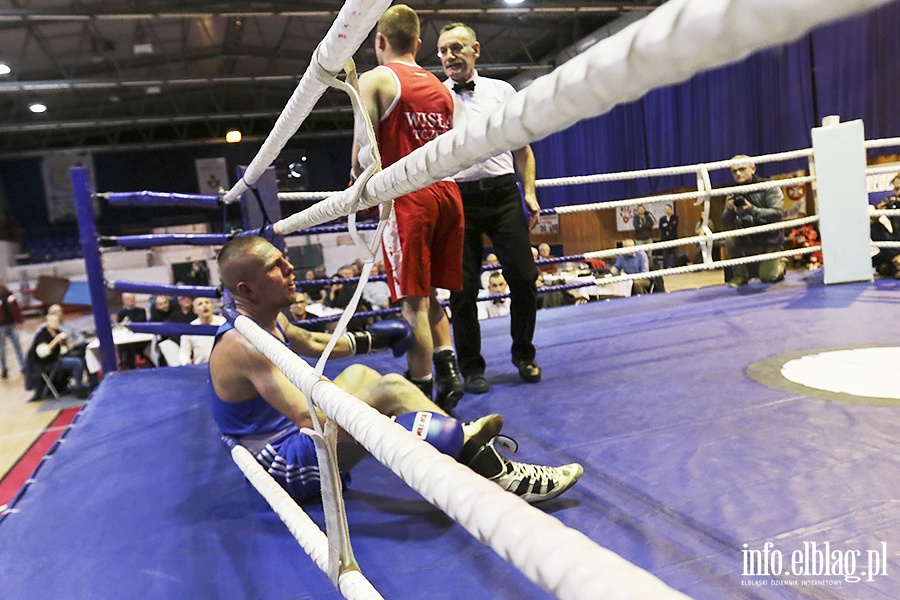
(289, 457)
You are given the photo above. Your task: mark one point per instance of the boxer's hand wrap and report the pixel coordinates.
(360, 341)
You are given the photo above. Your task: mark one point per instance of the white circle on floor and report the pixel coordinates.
(866, 372)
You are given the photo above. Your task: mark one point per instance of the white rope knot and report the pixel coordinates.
(370, 159)
(320, 73)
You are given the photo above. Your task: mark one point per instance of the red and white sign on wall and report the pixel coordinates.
(212, 174)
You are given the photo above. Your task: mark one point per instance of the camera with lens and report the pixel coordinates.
(740, 200)
(890, 203)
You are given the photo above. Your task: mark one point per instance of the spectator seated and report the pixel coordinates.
(44, 379)
(52, 361)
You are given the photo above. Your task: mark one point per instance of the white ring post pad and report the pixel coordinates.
(843, 201)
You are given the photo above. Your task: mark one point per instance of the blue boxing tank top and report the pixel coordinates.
(250, 417)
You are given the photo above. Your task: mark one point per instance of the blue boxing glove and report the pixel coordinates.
(444, 433)
(395, 334)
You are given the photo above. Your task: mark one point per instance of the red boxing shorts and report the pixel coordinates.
(423, 241)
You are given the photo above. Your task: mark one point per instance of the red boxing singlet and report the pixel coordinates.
(422, 111)
(423, 241)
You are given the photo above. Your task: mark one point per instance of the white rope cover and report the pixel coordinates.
(618, 176)
(880, 169)
(706, 239)
(352, 584)
(679, 39)
(666, 171)
(707, 265)
(882, 143)
(305, 195)
(710, 266)
(724, 191)
(698, 239)
(561, 560)
(350, 28)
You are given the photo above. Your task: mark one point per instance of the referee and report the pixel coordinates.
(493, 205)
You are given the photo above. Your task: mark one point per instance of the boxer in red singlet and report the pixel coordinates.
(423, 243)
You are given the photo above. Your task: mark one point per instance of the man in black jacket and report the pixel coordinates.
(10, 319)
(748, 209)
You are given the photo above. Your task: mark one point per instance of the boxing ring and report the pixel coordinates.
(686, 460)
(700, 484)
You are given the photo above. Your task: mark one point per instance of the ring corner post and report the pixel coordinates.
(87, 231)
(264, 210)
(840, 160)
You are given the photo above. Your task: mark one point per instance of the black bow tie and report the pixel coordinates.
(459, 88)
(499, 301)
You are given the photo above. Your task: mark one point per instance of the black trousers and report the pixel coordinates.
(739, 247)
(668, 255)
(493, 206)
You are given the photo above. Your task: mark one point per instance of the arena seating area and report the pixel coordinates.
(49, 248)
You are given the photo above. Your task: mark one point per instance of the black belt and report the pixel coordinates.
(488, 183)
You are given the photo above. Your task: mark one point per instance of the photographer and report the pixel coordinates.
(750, 209)
(887, 229)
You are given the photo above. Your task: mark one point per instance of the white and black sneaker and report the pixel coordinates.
(533, 483)
(483, 430)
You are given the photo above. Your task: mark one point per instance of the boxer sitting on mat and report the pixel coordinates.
(257, 406)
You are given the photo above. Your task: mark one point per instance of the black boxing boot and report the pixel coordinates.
(426, 387)
(449, 387)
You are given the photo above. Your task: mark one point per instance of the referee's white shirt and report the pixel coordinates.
(488, 94)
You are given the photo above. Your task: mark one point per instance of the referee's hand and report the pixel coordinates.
(534, 210)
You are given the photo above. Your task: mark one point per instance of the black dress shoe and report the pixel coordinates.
(529, 370)
(477, 384)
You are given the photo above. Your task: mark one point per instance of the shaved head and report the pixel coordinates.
(242, 258)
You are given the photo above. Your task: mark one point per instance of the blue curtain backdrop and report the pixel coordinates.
(760, 105)
(857, 71)
(767, 103)
(613, 141)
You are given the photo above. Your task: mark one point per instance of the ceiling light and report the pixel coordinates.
(513, 1)
(233, 136)
(4, 69)
(37, 107)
